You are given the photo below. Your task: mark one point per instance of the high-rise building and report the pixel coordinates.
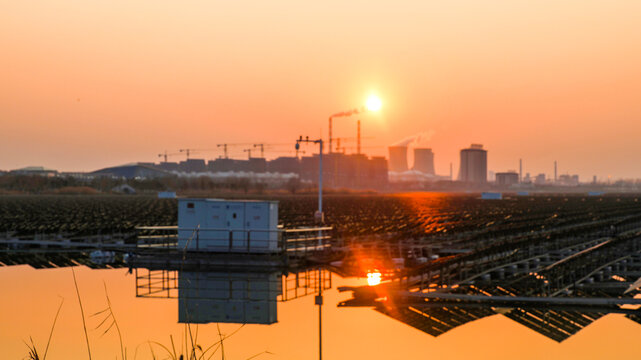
(398, 158)
(424, 160)
(473, 167)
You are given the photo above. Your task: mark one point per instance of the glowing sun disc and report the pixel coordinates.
(373, 103)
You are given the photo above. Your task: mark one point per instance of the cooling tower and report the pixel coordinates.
(424, 160)
(398, 158)
(473, 164)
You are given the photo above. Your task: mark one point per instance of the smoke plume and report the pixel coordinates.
(416, 140)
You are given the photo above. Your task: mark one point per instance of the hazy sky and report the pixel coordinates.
(89, 84)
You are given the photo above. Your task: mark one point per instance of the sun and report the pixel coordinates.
(373, 103)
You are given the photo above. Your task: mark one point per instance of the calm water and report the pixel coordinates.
(31, 297)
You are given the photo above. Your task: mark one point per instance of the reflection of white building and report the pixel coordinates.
(247, 298)
(242, 297)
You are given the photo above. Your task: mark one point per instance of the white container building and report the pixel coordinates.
(218, 225)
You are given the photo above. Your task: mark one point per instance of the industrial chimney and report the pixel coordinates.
(398, 158)
(424, 160)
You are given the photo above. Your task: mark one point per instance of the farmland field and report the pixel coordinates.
(413, 214)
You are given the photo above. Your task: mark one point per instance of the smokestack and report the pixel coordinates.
(555, 171)
(451, 172)
(398, 158)
(520, 170)
(424, 161)
(358, 137)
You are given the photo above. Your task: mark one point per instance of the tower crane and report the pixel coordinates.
(188, 151)
(165, 155)
(249, 153)
(226, 146)
(262, 149)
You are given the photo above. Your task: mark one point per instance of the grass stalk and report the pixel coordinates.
(53, 326)
(122, 349)
(82, 312)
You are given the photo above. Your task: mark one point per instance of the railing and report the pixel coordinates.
(293, 242)
(229, 285)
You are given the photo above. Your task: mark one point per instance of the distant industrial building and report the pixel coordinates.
(254, 165)
(35, 170)
(131, 171)
(473, 167)
(539, 179)
(193, 165)
(568, 180)
(285, 165)
(507, 178)
(424, 161)
(398, 158)
(168, 166)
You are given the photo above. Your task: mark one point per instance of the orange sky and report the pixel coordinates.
(89, 84)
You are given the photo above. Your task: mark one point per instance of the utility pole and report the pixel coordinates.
(319, 213)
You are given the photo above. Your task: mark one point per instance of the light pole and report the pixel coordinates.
(319, 215)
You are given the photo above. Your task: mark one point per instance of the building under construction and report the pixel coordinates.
(355, 171)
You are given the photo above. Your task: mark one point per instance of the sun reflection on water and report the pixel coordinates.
(373, 278)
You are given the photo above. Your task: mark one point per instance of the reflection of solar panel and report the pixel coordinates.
(53, 259)
(434, 321)
(557, 326)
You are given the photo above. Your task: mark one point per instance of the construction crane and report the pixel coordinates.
(165, 155)
(189, 151)
(290, 151)
(262, 149)
(226, 146)
(249, 153)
